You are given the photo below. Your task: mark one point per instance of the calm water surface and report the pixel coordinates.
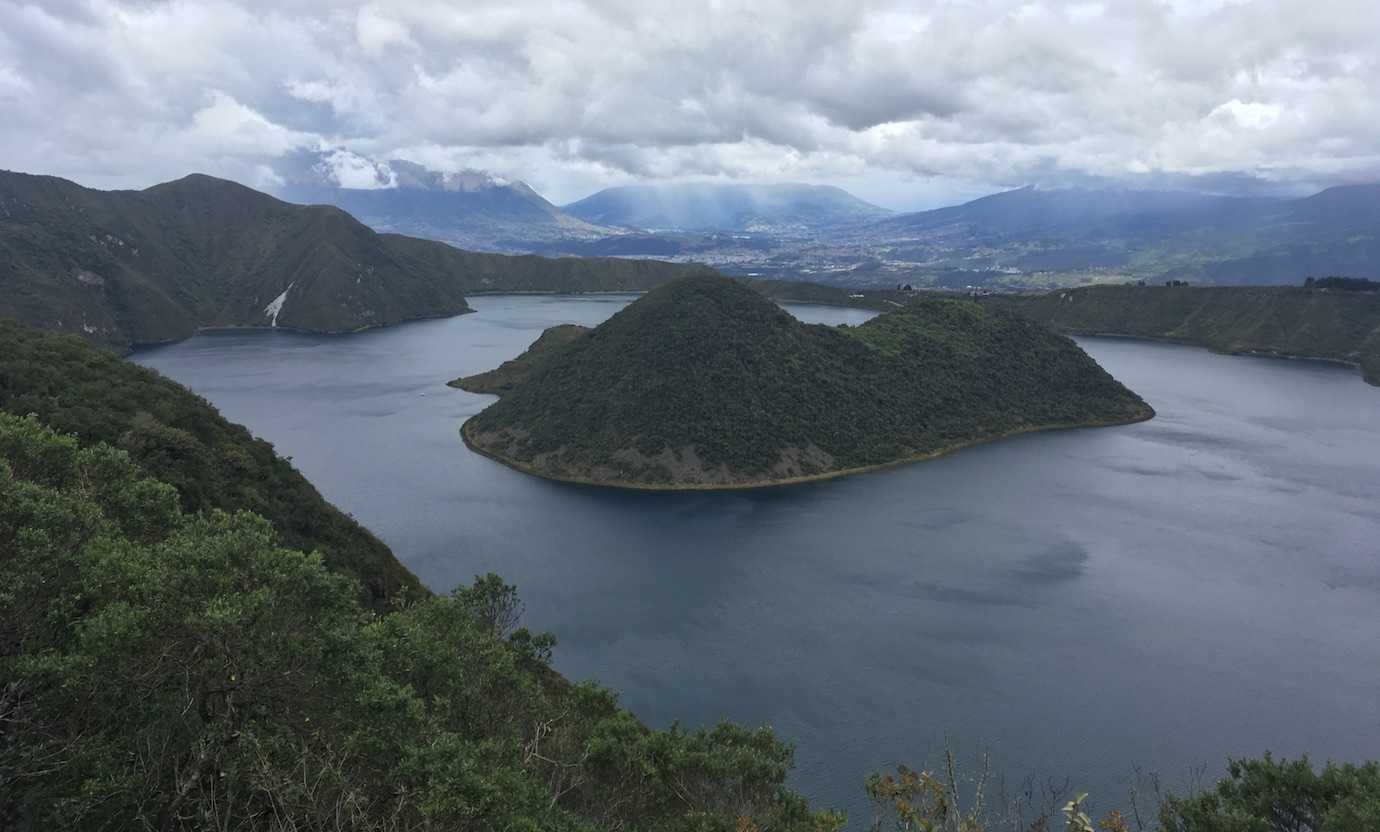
(1164, 594)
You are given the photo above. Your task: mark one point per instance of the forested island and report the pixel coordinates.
(705, 384)
(1327, 318)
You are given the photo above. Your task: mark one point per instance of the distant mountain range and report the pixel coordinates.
(1146, 234)
(1026, 238)
(470, 209)
(129, 267)
(716, 207)
(480, 211)
(138, 267)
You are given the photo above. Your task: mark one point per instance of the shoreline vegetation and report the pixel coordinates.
(178, 437)
(1244, 353)
(707, 385)
(291, 330)
(1294, 322)
(1310, 322)
(800, 480)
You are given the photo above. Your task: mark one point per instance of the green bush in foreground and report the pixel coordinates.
(160, 670)
(1268, 795)
(1259, 795)
(179, 438)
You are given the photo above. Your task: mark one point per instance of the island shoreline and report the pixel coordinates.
(811, 478)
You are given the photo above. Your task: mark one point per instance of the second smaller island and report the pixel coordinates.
(706, 384)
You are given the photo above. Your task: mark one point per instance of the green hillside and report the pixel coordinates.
(177, 437)
(130, 267)
(1302, 322)
(139, 267)
(704, 383)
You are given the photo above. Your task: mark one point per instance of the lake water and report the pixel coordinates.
(1162, 595)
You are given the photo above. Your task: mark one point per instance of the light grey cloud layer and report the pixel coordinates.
(903, 102)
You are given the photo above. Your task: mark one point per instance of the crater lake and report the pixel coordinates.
(1161, 595)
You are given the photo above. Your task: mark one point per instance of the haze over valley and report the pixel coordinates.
(1024, 238)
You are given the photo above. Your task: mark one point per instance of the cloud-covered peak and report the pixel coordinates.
(344, 169)
(341, 168)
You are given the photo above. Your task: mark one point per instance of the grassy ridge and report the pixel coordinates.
(1309, 323)
(705, 382)
(179, 438)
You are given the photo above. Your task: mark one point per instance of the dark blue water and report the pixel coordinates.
(1163, 595)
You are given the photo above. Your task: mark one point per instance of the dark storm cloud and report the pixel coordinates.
(571, 95)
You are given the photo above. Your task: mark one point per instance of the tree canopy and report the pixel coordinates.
(704, 382)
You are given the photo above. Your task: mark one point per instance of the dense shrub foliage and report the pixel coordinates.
(178, 438)
(1269, 795)
(710, 365)
(167, 670)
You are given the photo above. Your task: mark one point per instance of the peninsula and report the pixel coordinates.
(706, 384)
(1331, 319)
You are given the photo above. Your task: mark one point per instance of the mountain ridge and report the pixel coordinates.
(1036, 237)
(155, 265)
(470, 209)
(129, 267)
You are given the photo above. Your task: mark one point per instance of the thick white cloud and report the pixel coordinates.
(906, 102)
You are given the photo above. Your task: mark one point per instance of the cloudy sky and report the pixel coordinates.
(909, 104)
